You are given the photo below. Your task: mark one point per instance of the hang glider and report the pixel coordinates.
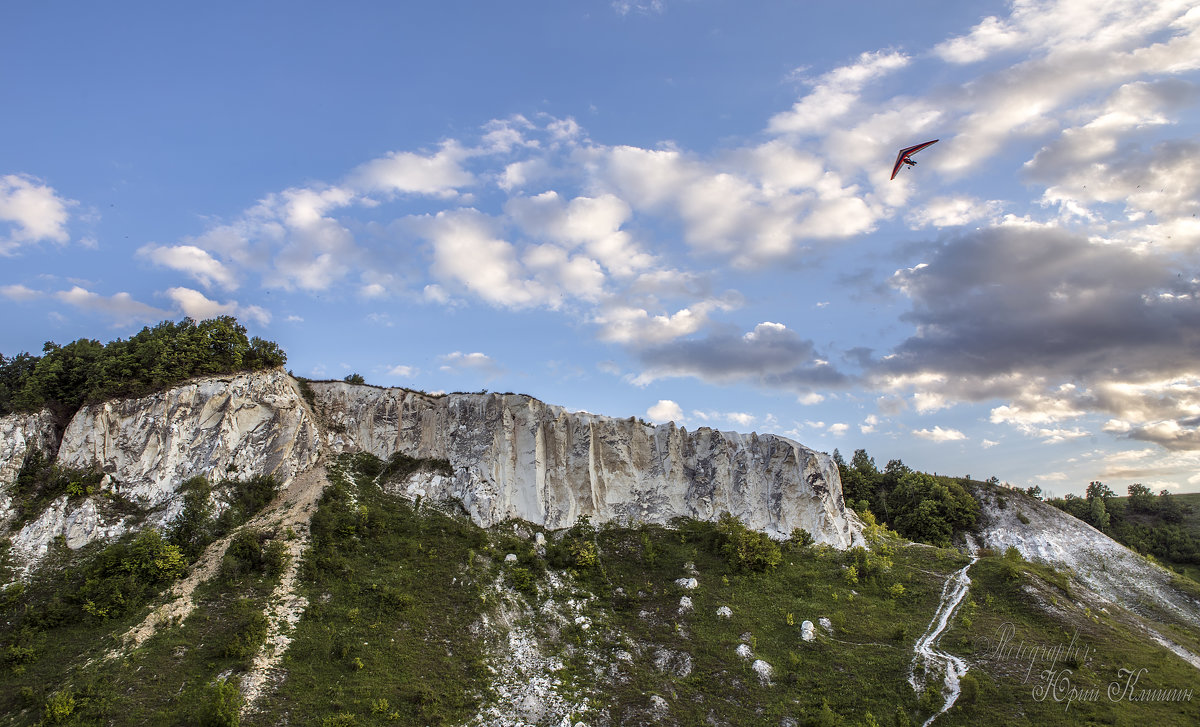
(905, 156)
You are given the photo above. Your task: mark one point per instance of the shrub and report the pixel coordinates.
(800, 538)
(223, 705)
(253, 551)
(123, 576)
(59, 707)
(746, 549)
(522, 580)
(192, 528)
(250, 628)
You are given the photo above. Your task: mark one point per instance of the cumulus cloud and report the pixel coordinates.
(665, 411)
(32, 212)
(194, 261)
(19, 293)
(1057, 327)
(120, 307)
(632, 325)
(403, 371)
(440, 174)
(952, 212)
(196, 305)
(937, 434)
(478, 362)
(741, 420)
(468, 250)
(771, 356)
(836, 93)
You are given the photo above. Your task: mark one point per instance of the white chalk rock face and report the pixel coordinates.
(225, 426)
(516, 457)
(1042, 532)
(77, 525)
(19, 435)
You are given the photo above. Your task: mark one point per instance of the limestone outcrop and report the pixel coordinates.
(1043, 533)
(220, 427)
(512, 457)
(516, 457)
(19, 434)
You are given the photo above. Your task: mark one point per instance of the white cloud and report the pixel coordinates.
(937, 434)
(194, 261)
(836, 93)
(644, 7)
(196, 305)
(742, 420)
(439, 174)
(34, 212)
(838, 429)
(635, 326)
(951, 211)
(467, 251)
(1052, 477)
(593, 222)
(476, 361)
(869, 424)
(121, 307)
(19, 293)
(403, 371)
(665, 411)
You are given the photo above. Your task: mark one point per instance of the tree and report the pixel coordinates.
(354, 379)
(1141, 498)
(1099, 490)
(931, 509)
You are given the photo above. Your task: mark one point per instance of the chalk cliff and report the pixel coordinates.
(220, 427)
(19, 434)
(516, 457)
(512, 457)
(228, 426)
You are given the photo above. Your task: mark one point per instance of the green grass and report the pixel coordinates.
(408, 604)
(391, 590)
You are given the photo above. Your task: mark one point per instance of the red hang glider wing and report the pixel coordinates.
(907, 152)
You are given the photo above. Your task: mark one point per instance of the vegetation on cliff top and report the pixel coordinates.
(86, 371)
(922, 507)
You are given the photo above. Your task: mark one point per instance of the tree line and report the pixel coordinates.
(1148, 523)
(920, 506)
(85, 371)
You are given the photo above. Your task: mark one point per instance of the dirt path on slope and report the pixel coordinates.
(293, 507)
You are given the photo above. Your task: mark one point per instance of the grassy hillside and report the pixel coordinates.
(416, 616)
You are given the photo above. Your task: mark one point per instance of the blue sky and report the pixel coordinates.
(673, 209)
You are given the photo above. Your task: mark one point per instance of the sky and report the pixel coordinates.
(673, 209)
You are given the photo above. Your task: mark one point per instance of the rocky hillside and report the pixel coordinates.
(516, 457)
(252, 549)
(1107, 570)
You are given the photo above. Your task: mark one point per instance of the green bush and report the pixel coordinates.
(193, 528)
(254, 552)
(249, 629)
(930, 509)
(59, 707)
(124, 576)
(744, 548)
(223, 705)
